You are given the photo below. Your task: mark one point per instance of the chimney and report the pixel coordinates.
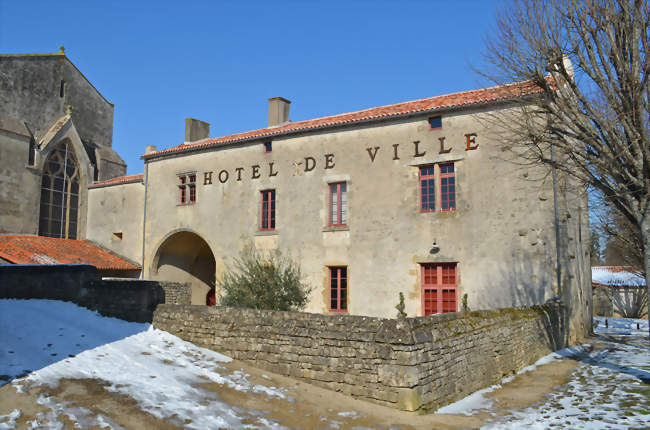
(196, 130)
(278, 111)
(149, 149)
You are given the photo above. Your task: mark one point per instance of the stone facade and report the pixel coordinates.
(500, 236)
(412, 364)
(46, 102)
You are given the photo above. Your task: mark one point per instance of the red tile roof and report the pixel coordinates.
(20, 249)
(118, 181)
(428, 105)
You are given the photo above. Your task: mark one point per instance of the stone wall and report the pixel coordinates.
(412, 364)
(128, 299)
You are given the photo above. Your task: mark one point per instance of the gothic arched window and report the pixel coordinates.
(60, 194)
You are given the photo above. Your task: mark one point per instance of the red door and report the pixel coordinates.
(439, 283)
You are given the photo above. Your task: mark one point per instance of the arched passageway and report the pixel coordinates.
(186, 257)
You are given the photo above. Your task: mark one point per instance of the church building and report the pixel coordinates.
(56, 133)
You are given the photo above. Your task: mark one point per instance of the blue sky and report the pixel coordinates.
(160, 62)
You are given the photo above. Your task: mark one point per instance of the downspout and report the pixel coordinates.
(557, 227)
(144, 216)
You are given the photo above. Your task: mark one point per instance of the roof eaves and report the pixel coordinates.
(108, 183)
(379, 118)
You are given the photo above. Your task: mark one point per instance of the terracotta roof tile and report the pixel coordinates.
(21, 249)
(118, 181)
(428, 105)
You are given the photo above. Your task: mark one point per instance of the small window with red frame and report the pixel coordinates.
(267, 210)
(338, 289)
(427, 189)
(338, 204)
(435, 122)
(447, 187)
(187, 189)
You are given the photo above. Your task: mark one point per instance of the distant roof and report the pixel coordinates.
(626, 276)
(23, 249)
(120, 180)
(429, 105)
(60, 54)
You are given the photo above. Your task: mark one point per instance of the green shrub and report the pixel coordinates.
(263, 280)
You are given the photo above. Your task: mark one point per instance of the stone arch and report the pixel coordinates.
(61, 181)
(184, 256)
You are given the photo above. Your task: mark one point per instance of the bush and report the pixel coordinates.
(263, 280)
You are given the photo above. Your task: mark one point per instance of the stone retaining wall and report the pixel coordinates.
(128, 299)
(412, 364)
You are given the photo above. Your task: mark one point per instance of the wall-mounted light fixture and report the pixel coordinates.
(434, 248)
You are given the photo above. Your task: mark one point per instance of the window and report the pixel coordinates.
(427, 189)
(59, 194)
(435, 122)
(268, 147)
(439, 288)
(187, 189)
(338, 289)
(267, 216)
(62, 89)
(338, 204)
(447, 187)
(447, 177)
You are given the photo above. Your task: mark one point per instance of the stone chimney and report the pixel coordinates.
(278, 111)
(149, 149)
(196, 130)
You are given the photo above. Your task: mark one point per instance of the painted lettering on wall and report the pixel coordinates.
(310, 163)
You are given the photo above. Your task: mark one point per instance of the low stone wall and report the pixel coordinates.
(128, 299)
(412, 364)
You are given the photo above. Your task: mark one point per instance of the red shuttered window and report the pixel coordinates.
(447, 187)
(439, 282)
(267, 210)
(338, 204)
(338, 289)
(427, 189)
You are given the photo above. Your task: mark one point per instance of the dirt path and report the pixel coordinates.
(312, 407)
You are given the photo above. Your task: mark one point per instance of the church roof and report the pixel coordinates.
(423, 106)
(24, 249)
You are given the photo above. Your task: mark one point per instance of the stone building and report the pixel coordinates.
(414, 197)
(55, 139)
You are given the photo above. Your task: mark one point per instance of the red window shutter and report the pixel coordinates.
(338, 289)
(439, 285)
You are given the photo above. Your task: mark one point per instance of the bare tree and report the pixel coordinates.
(623, 240)
(587, 115)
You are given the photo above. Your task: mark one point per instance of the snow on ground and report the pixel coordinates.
(50, 340)
(476, 401)
(620, 326)
(160, 371)
(610, 389)
(37, 333)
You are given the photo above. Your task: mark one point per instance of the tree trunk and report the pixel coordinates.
(645, 237)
